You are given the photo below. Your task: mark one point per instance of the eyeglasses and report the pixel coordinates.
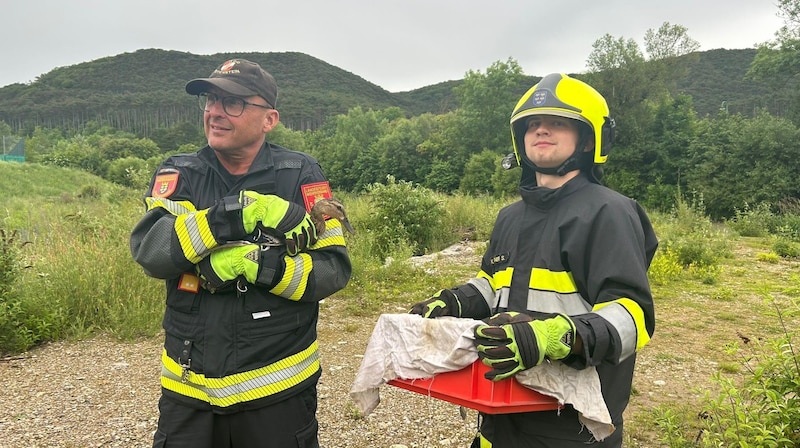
(232, 105)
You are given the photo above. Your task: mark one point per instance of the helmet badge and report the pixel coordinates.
(539, 97)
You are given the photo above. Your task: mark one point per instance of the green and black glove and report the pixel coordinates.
(290, 220)
(443, 303)
(225, 266)
(515, 343)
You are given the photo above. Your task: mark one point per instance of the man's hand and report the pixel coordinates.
(443, 303)
(520, 344)
(290, 220)
(224, 266)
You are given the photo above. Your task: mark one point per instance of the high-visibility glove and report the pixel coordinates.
(443, 303)
(291, 221)
(225, 266)
(508, 317)
(512, 347)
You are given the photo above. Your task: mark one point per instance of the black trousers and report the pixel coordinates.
(545, 429)
(287, 424)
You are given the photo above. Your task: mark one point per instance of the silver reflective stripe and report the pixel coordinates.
(552, 302)
(502, 296)
(486, 291)
(297, 276)
(288, 374)
(193, 231)
(171, 206)
(622, 321)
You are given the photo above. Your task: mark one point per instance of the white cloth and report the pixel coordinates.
(410, 347)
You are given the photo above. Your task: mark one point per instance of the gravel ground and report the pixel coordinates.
(104, 393)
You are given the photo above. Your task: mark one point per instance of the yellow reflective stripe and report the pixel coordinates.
(332, 236)
(546, 280)
(174, 207)
(502, 278)
(242, 387)
(295, 277)
(635, 311)
(194, 235)
(482, 274)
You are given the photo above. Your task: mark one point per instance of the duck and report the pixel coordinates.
(332, 208)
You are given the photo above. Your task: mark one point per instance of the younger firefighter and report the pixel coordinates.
(564, 278)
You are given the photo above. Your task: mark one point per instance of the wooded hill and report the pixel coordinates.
(142, 91)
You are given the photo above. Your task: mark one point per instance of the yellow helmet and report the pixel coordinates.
(563, 96)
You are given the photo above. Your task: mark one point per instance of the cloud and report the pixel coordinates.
(398, 45)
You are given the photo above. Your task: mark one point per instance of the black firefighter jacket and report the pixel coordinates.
(582, 250)
(250, 345)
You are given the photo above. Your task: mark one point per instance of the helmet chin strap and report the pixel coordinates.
(572, 163)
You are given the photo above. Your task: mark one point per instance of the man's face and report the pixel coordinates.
(550, 140)
(226, 133)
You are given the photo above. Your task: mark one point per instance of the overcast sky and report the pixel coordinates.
(398, 45)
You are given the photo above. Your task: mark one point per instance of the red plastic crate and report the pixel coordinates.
(469, 388)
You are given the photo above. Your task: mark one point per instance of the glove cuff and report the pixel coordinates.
(271, 266)
(225, 220)
(209, 278)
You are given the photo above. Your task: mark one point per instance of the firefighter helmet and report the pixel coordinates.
(563, 96)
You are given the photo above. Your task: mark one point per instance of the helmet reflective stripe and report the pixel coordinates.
(560, 95)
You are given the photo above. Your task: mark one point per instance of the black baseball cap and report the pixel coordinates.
(239, 77)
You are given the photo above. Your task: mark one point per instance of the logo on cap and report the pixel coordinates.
(227, 66)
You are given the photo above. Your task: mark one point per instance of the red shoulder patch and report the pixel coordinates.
(314, 192)
(164, 185)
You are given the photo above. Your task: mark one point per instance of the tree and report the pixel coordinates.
(480, 123)
(399, 151)
(485, 105)
(636, 88)
(478, 173)
(670, 41)
(345, 146)
(778, 61)
(737, 161)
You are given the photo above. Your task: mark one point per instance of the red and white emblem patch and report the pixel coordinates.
(314, 192)
(164, 185)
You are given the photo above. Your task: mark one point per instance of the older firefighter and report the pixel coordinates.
(227, 228)
(564, 278)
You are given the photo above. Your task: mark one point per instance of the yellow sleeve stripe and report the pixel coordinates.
(295, 277)
(499, 279)
(636, 313)
(174, 207)
(194, 235)
(332, 236)
(546, 280)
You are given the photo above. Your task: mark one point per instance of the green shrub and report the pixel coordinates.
(762, 410)
(765, 410)
(786, 248)
(21, 327)
(691, 238)
(752, 221)
(403, 214)
(665, 267)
